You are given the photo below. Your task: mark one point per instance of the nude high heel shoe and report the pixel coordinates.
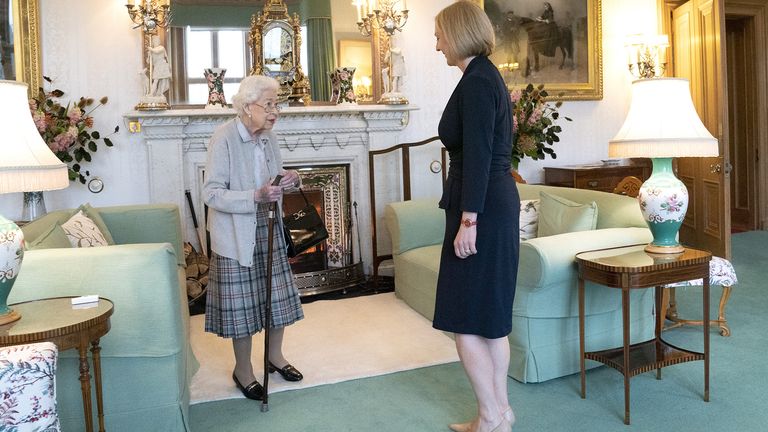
(508, 417)
(460, 427)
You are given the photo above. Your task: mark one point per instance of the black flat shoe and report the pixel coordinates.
(288, 372)
(254, 390)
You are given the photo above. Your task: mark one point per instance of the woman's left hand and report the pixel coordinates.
(464, 243)
(290, 179)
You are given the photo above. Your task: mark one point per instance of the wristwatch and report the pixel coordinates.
(468, 223)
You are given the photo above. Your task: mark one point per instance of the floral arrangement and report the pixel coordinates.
(534, 121)
(68, 129)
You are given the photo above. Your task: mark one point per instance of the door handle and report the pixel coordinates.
(728, 168)
(715, 168)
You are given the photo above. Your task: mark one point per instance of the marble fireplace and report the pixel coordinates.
(328, 138)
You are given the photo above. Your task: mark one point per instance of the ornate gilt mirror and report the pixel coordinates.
(216, 33)
(20, 53)
(275, 41)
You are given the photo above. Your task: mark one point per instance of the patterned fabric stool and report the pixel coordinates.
(721, 273)
(28, 388)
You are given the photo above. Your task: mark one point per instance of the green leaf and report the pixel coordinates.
(95, 134)
(87, 156)
(92, 146)
(108, 142)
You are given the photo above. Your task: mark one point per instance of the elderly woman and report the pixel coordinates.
(243, 161)
(478, 262)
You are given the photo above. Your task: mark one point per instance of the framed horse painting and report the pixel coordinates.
(556, 43)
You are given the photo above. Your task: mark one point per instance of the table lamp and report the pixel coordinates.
(662, 124)
(26, 165)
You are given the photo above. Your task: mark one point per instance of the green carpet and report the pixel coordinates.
(430, 398)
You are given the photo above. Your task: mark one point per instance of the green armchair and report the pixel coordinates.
(147, 360)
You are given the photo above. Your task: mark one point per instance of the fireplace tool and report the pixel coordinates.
(268, 311)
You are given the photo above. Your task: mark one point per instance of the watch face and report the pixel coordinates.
(95, 185)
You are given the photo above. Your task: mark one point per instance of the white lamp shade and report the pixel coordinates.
(26, 162)
(662, 122)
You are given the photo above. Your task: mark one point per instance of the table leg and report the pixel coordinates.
(85, 386)
(581, 339)
(96, 354)
(706, 338)
(659, 322)
(625, 331)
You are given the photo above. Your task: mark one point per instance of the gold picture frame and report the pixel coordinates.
(575, 74)
(27, 43)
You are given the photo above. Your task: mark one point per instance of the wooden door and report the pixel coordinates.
(696, 29)
(743, 117)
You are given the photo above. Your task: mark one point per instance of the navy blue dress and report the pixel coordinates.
(475, 295)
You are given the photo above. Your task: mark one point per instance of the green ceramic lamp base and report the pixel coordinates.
(9, 317)
(663, 201)
(11, 254)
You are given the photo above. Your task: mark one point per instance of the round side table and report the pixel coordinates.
(68, 326)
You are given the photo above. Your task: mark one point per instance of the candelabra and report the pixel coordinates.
(383, 15)
(646, 56)
(150, 16)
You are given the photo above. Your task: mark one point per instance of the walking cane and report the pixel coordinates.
(268, 311)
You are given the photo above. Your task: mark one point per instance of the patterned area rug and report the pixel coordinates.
(338, 340)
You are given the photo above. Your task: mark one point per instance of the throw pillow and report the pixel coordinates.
(558, 215)
(54, 237)
(529, 219)
(83, 232)
(94, 215)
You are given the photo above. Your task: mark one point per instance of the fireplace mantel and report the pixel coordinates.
(177, 140)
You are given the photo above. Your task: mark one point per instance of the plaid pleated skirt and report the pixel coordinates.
(236, 299)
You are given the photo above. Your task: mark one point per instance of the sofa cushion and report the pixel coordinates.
(53, 237)
(558, 215)
(529, 218)
(414, 224)
(94, 215)
(83, 232)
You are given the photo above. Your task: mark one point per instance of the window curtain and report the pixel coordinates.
(321, 55)
(176, 57)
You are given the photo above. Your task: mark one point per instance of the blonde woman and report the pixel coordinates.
(243, 160)
(478, 264)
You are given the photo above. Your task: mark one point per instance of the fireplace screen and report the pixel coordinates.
(326, 187)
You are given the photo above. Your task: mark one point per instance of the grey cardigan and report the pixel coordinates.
(230, 183)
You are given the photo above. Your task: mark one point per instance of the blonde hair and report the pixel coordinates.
(251, 89)
(466, 29)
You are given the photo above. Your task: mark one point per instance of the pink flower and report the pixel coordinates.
(515, 95)
(535, 116)
(74, 114)
(62, 141)
(40, 121)
(526, 143)
(350, 95)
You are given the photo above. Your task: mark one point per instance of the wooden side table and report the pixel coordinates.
(630, 268)
(594, 177)
(57, 320)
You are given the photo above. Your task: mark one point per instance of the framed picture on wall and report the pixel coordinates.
(556, 43)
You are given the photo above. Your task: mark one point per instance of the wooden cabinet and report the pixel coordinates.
(595, 177)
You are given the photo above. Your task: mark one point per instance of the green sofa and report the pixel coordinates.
(544, 341)
(147, 360)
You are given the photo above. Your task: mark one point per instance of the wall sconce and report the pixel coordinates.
(383, 15)
(646, 55)
(150, 16)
